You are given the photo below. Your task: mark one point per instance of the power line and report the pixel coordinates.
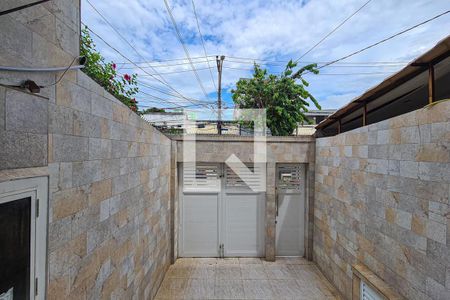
(186, 51)
(165, 100)
(138, 53)
(169, 60)
(192, 100)
(203, 44)
(182, 71)
(384, 40)
(333, 31)
(172, 95)
(308, 62)
(327, 74)
(170, 65)
(252, 61)
(126, 58)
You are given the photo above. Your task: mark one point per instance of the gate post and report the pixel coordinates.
(270, 212)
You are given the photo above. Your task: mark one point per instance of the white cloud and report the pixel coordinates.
(275, 30)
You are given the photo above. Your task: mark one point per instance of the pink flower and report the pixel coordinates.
(133, 100)
(127, 77)
(114, 66)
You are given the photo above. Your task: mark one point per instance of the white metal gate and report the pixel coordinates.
(220, 214)
(290, 205)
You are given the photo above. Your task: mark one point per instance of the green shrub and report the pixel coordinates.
(104, 73)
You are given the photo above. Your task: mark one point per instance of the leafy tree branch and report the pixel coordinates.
(284, 96)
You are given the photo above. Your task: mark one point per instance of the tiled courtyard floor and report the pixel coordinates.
(245, 278)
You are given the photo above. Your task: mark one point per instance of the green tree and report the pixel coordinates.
(284, 96)
(123, 87)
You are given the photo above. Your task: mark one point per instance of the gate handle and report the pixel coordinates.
(276, 205)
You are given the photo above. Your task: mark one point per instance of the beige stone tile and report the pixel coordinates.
(305, 272)
(250, 260)
(280, 272)
(228, 261)
(176, 271)
(293, 261)
(228, 272)
(229, 289)
(172, 288)
(258, 289)
(200, 289)
(253, 271)
(206, 261)
(287, 289)
(185, 262)
(204, 279)
(203, 271)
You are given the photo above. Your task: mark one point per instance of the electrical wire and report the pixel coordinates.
(182, 71)
(328, 74)
(348, 65)
(169, 60)
(203, 44)
(310, 62)
(62, 75)
(332, 31)
(186, 51)
(170, 65)
(192, 100)
(384, 40)
(126, 58)
(165, 100)
(138, 53)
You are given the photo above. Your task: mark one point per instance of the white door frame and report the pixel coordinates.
(37, 189)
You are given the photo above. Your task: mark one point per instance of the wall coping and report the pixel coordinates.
(245, 139)
(13, 174)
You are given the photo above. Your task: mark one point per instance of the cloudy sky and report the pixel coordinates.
(268, 32)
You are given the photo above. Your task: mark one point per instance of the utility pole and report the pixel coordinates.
(219, 62)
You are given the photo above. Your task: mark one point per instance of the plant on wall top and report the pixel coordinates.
(123, 87)
(284, 99)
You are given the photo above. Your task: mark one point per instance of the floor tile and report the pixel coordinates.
(203, 271)
(258, 289)
(229, 289)
(176, 271)
(172, 288)
(280, 272)
(228, 261)
(253, 272)
(199, 289)
(287, 289)
(206, 261)
(250, 260)
(228, 272)
(244, 278)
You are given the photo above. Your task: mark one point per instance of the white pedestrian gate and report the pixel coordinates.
(221, 216)
(290, 210)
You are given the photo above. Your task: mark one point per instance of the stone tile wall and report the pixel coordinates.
(109, 227)
(109, 171)
(382, 197)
